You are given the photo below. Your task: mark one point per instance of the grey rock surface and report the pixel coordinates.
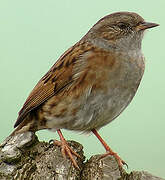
(23, 157)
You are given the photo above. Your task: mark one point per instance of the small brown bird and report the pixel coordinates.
(91, 83)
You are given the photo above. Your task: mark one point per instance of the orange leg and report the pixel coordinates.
(66, 149)
(108, 149)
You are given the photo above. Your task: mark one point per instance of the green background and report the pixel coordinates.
(34, 33)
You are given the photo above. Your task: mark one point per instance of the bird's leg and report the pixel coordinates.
(66, 149)
(109, 151)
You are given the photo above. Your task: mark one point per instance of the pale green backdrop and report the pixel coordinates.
(34, 33)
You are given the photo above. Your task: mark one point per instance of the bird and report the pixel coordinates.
(90, 84)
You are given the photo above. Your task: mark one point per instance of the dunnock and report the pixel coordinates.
(91, 83)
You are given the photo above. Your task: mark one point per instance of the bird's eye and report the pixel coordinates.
(122, 26)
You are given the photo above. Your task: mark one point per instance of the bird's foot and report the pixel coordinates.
(117, 157)
(109, 150)
(67, 150)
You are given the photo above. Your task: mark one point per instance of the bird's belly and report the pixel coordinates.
(98, 110)
(101, 109)
(112, 105)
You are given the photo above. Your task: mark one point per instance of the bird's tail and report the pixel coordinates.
(28, 124)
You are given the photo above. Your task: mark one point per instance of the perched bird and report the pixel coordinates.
(91, 83)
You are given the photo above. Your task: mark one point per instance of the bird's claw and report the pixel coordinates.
(67, 150)
(120, 162)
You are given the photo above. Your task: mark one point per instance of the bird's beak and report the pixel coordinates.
(145, 25)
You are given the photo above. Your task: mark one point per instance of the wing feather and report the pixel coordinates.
(56, 79)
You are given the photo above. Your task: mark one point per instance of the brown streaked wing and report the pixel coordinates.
(57, 78)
